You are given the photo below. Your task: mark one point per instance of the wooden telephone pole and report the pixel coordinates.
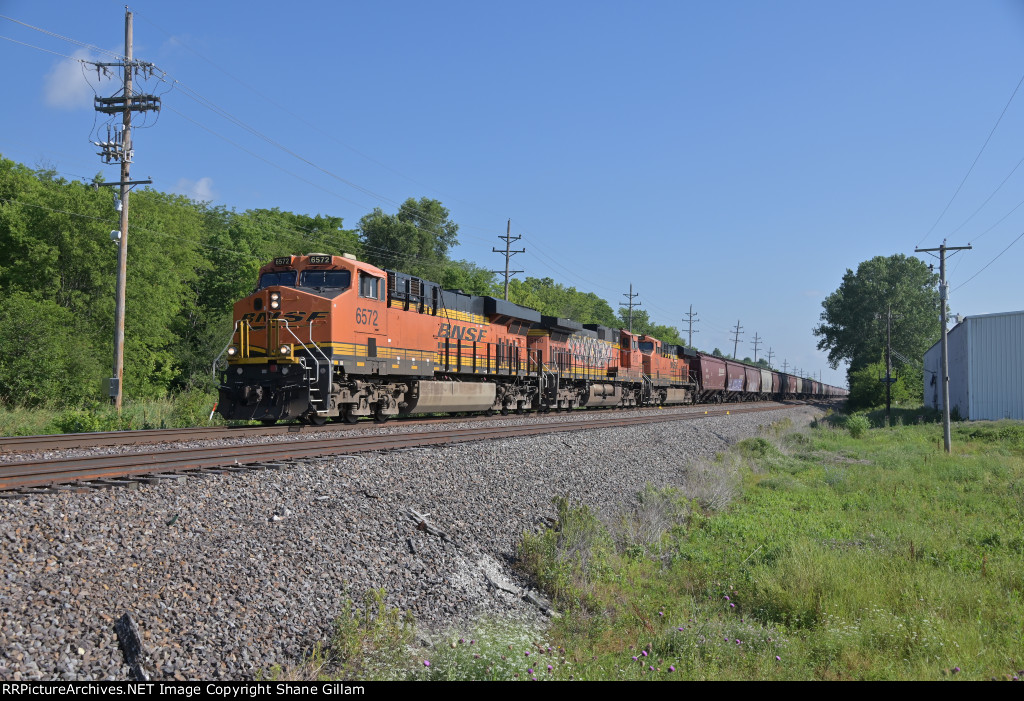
(943, 297)
(118, 148)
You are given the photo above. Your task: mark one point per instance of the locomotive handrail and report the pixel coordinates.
(312, 355)
(231, 339)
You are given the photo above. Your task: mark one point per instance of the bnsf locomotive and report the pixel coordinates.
(330, 337)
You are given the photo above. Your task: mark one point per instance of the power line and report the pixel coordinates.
(973, 163)
(284, 109)
(989, 263)
(91, 47)
(39, 48)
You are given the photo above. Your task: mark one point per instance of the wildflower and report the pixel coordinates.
(550, 668)
(527, 653)
(652, 668)
(955, 670)
(732, 606)
(778, 659)
(462, 641)
(661, 613)
(644, 653)
(672, 668)
(530, 671)
(727, 597)
(738, 641)
(426, 663)
(680, 630)
(634, 658)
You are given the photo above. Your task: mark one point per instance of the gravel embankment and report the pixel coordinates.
(227, 576)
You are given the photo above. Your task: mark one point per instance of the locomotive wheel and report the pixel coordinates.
(313, 419)
(348, 415)
(504, 411)
(379, 417)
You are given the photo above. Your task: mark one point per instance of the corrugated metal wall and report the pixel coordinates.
(996, 366)
(932, 378)
(960, 383)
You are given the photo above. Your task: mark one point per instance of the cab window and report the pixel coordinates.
(370, 286)
(647, 347)
(286, 277)
(334, 279)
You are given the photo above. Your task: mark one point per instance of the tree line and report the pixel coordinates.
(188, 262)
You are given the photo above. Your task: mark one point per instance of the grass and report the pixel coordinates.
(175, 411)
(876, 557)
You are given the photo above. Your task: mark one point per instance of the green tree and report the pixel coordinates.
(415, 240)
(555, 299)
(468, 277)
(853, 323)
(43, 359)
(867, 390)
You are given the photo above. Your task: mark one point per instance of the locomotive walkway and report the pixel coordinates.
(129, 469)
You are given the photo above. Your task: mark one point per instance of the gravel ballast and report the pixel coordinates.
(229, 575)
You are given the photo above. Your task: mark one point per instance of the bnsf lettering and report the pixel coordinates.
(290, 317)
(462, 333)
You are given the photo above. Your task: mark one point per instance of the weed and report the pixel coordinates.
(857, 425)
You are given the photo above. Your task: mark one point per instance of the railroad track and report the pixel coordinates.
(110, 470)
(66, 441)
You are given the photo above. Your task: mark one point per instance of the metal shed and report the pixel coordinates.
(986, 368)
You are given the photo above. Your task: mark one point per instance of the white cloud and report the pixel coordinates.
(199, 190)
(68, 86)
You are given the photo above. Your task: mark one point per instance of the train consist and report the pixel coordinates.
(330, 337)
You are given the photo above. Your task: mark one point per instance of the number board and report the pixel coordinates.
(320, 260)
(286, 260)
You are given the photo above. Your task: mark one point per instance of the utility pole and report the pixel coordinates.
(632, 304)
(888, 363)
(508, 238)
(785, 364)
(119, 148)
(691, 317)
(736, 339)
(943, 297)
(770, 354)
(757, 342)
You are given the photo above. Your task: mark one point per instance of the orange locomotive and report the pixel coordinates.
(329, 337)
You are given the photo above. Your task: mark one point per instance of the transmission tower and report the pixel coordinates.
(508, 238)
(691, 317)
(736, 338)
(632, 304)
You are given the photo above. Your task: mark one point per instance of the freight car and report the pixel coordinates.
(331, 337)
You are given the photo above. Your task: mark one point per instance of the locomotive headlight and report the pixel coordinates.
(284, 350)
(275, 300)
(232, 351)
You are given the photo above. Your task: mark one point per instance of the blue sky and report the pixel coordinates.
(737, 156)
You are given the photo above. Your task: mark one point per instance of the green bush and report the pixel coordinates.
(857, 425)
